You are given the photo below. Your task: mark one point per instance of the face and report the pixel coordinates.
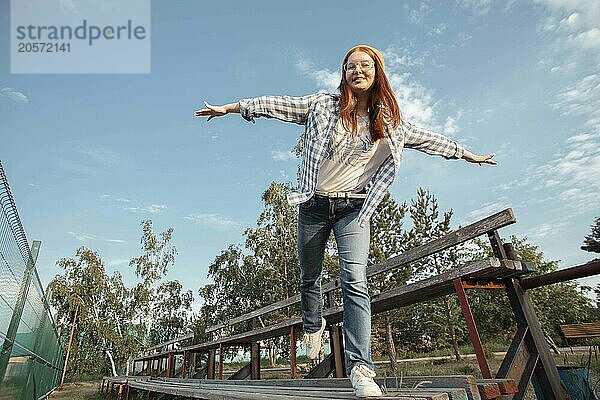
(358, 79)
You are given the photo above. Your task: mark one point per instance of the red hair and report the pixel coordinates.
(382, 104)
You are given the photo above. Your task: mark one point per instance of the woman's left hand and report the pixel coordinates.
(474, 158)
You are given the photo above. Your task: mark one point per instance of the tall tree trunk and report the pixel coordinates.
(452, 328)
(111, 359)
(391, 347)
(272, 355)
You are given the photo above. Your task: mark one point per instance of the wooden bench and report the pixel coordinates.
(581, 331)
(528, 354)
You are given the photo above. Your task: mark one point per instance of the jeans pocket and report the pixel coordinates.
(308, 204)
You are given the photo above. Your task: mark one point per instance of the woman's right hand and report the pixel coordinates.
(211, 111)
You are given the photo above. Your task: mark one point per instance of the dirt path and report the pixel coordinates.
(79, 391)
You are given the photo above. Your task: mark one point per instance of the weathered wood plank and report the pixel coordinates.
(506, 386)
(228, 392)
(323, 369)
(466, 383)
(579, 331)
(476, 229)
(488, 390)
(242, 373)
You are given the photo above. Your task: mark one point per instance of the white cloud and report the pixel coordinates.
(14, 95)
(279, 155)
(546, 229)
(439, 29)
(215, 220)
(414, 99)
(325, 79)
(416, 15)
(478, 7)
(84, 237)
(570, 178)
(576, 24)
(582, 98)
(151, 209)
(485, 210)
(103, 156)
(451, 125)
(587, 40)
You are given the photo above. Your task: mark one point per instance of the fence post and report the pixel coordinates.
(11, 333)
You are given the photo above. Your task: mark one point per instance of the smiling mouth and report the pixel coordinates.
(358, 79)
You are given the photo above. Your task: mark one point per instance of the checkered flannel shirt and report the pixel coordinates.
(319, 113)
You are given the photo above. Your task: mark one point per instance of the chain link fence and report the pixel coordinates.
(31, 356)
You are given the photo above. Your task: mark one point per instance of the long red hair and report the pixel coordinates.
(382, 104)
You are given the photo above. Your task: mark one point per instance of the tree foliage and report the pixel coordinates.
(103, 331)
(115, 322)
(591, 242)
(158, 253)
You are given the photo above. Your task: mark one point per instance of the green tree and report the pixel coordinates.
(388, 239)
(158, 253)
(172, 312)
(592, 241)
(104, 336)
(439, 317)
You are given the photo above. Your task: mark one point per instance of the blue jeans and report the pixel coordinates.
(317, 217)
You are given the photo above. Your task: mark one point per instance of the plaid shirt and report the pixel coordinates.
(319, 113)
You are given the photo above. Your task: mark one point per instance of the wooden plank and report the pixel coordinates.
(222, 392)
(578, 331)
(506, 386)
(488, 390)
(181, 338)
(255, 360)
(545, 371)
(467, 383)
(338, 393)
(323, 369)
(476, 229)
(242, 373)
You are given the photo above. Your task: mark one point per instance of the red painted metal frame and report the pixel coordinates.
(293, 351)
(220, 362)
(473, 332)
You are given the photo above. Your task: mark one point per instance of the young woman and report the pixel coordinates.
(353, 144)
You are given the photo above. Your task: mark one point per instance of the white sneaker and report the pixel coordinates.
(363, 383)
(312, 341)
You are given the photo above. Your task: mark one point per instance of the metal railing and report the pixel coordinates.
(31, 355)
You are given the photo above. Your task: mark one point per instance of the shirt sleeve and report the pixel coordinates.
(284, 108)
(430, 142)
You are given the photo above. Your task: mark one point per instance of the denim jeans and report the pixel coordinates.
(317, 217)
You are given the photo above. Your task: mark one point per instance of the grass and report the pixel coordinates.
(88, 390)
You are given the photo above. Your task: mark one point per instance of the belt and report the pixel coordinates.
(342, 195)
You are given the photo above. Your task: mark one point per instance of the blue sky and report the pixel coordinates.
(89, 156)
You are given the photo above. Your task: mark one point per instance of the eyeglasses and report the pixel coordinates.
(364, 66)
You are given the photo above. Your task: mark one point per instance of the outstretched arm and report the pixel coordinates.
(283, 108)
(470, 157)
(217, 111)
(434, 143)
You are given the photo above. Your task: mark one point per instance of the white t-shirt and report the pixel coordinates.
(351, 159)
